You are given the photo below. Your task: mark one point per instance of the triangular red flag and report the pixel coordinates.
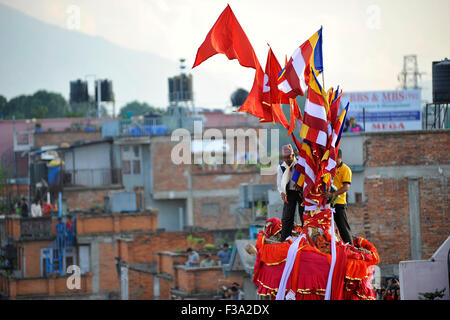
(228, 37)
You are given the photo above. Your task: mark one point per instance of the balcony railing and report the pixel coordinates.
(36, 228)
(142, 127)
(92, 177)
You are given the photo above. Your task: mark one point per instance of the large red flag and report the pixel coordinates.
(228, 37)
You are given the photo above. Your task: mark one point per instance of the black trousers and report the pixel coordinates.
(340, 217)
(294, 198)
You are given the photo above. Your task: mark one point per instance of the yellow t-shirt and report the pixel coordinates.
(343, 174)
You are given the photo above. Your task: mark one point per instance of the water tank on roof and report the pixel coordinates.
(181, 88)
(79, 91)
(106, 90)
(441, 81)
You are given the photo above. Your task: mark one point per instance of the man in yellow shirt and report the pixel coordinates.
(342, 181)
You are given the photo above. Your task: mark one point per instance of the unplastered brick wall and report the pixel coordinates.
(31, 250)
(109, 280)
(116, 223)
(140, 285)
(384, 217)
(434, 208)
(167, 176)
(85, 199)
(215, 212)
(202, 280)
(143, 246)
(407, 148)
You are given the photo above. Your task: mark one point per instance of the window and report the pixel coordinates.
(126, 152)
(136, 166)
(358, 197)
(210, 209)
(83, 253)
(136, 151)
(131, 159)
(126, 167)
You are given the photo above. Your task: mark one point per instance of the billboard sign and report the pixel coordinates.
(398, 110)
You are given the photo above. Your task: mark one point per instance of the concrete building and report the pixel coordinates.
(203, 195)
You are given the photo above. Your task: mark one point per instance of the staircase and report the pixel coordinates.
(57, 250)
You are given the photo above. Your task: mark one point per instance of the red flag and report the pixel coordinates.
(254, 102)
(296, 115)
(228, 37)
(271, 94)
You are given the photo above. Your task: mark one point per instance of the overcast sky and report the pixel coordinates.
(363, 41)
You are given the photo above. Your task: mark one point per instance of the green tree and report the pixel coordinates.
(3, 103)
(40, 104)
(55, 103)
(39, 112)
(137, 108)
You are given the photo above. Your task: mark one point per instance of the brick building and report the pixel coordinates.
(398, 198)
(406, 180)
(101, 241)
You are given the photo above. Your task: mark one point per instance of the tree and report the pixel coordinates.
(39, 112)
(3, 102)
(136, 108)
(39, 105)
(54, 102)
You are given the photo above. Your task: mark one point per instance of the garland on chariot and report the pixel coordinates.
(313, 263)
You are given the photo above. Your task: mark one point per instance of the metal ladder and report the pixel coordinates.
(57, 250)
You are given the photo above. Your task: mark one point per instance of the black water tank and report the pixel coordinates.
(79, 91)
(180, 88)
(441, 81)
(106, 88)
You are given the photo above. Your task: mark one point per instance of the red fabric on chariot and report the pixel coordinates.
(271, 253)
(308, 279)
(268, 279)
(309, 275)
(359, 271)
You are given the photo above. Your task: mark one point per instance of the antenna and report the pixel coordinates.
(409, 77)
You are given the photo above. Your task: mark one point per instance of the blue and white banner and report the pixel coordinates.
(385, 110)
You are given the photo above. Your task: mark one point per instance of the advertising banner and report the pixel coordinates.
(385, 110)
